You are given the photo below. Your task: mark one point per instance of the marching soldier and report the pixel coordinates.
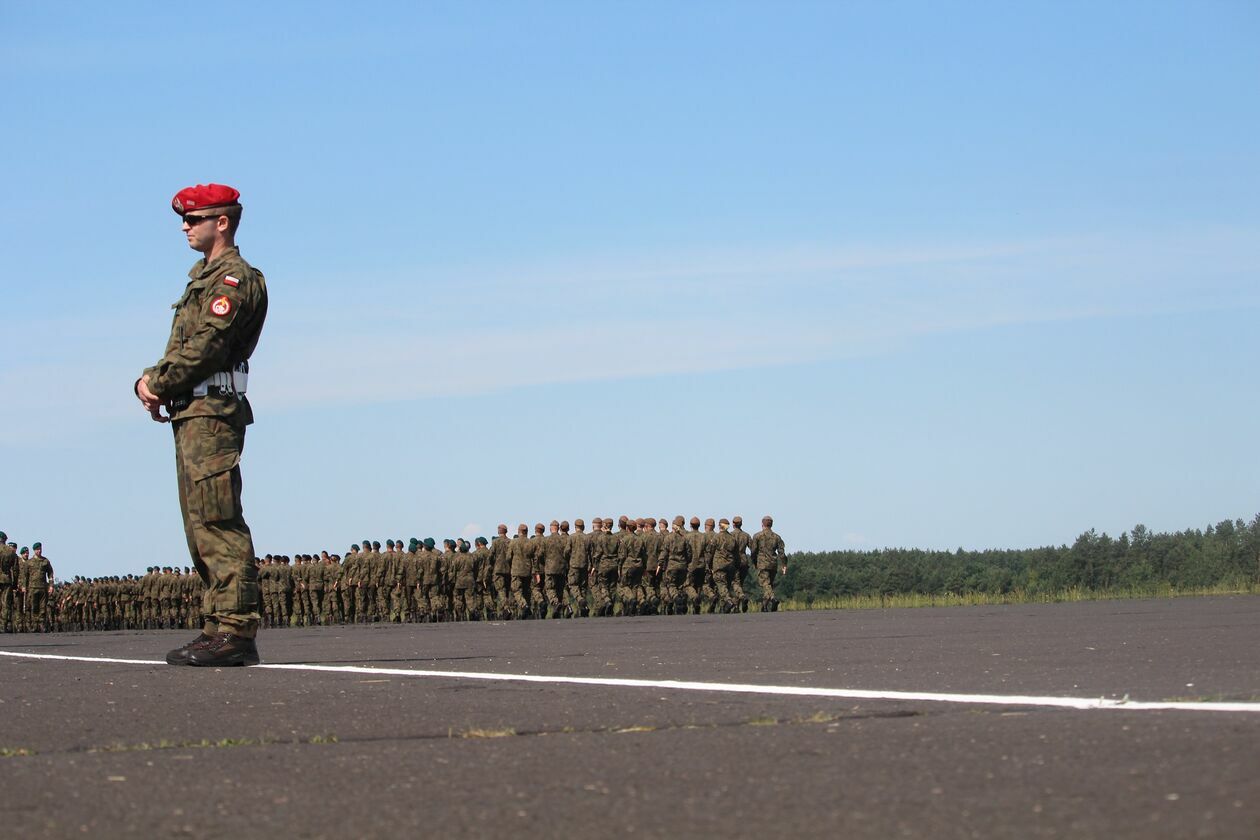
(723, 567)
(555, 563)
(743, 545)
(579, 568)
(674, 555)
(770, 559)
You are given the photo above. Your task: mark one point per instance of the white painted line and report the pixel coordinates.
(1090, 703)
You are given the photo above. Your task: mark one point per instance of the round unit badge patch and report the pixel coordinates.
(221, 305)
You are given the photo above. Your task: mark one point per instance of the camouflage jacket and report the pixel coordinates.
(768, 550)
(216, 326)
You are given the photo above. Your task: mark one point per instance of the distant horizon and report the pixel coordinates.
(790, 550)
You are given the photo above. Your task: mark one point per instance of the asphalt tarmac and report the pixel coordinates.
(113, 749)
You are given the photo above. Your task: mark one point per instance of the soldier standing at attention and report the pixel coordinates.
(8, 581)
(770, 558)
(349, 583)
(22, 602)
(39, 576)
(201, 380)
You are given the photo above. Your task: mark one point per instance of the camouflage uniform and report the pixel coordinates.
(463, 571)
(350, 586)
(743, 543)
(768, 555)
(217, 324)
(674, 553)
(697, 588)
(652, 571)
(722, 545)
(603, 547)
(521, 560)
(8, 582)
(555, 562)
(579, 569)
(501, 574)
(38, 578)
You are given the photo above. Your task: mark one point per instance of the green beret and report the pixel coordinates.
(3, 536)
(355, 546)
(37, 545)
(481, 541)
(24, 550)
(389, 543)
(376, 544)
(428, 542)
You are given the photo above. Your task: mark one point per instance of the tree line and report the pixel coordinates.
(1223, 555)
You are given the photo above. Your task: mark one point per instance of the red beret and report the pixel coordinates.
(202, 196)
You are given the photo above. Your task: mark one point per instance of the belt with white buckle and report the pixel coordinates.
(226, 383)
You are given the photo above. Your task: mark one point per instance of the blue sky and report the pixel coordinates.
(901, 274)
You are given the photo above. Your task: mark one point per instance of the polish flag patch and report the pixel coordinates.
(231, 281)
(221, 305)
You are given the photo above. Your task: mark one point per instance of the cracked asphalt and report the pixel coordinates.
(111, 749)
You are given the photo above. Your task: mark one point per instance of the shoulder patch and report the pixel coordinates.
(231, 281)
(221, 305)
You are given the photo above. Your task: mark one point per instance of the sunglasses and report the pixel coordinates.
(193, 221)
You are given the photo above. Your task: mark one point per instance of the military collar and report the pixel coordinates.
(202, 269)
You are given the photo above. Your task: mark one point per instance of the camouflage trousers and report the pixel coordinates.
(699, 588)
(398, 604)
(332, 607)
(36, 606)
(6, 609)
(553, 591)
(631, 591)
(522, 593)
(577, 594)
(500, 591)
(723, 593)
(462, 602)
(207, 463)
(603, 585)
(765, 577)
(673, 588)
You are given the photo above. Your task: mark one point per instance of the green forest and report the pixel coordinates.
(1221, 557)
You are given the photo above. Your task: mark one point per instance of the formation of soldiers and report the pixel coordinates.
(639, 567)
(642, 567)
(26, 585)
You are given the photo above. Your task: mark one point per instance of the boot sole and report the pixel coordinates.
(226, 662)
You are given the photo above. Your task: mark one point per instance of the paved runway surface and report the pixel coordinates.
(106, 749)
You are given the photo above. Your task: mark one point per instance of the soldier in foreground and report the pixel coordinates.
(201, 381)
